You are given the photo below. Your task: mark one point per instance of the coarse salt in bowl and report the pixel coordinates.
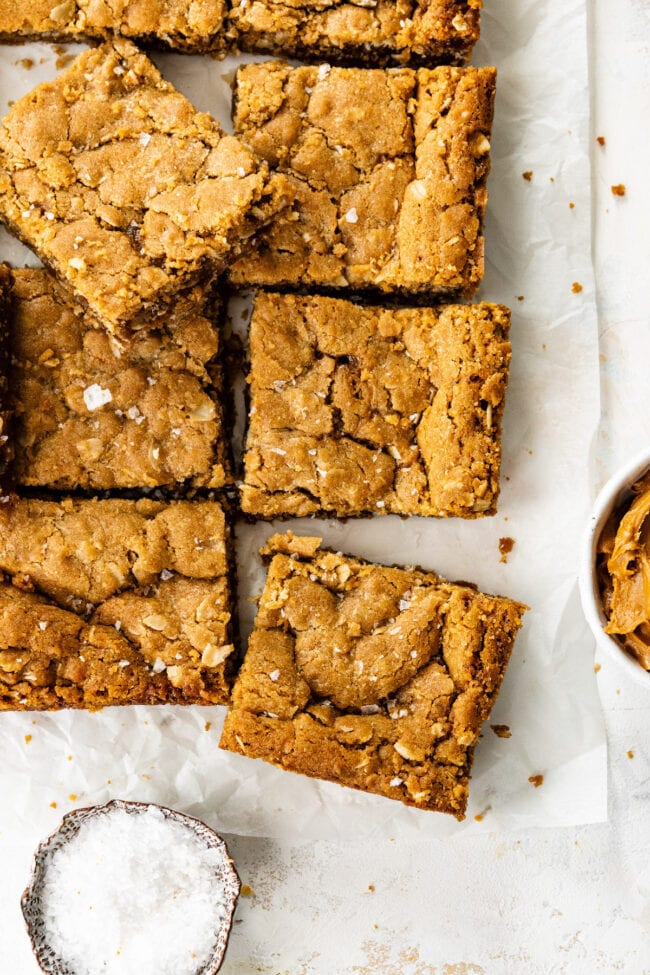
(131, 888)
(615, 492)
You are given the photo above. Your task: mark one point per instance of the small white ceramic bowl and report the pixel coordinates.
(614, 493)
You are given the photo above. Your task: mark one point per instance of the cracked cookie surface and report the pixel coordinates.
(368, 409)
(358, 31)
(191, 25)
(389, 171)
(126, 191)
(92, 415)
(113, 602)
(373, 677)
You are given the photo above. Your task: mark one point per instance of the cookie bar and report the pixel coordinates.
(373, 677)
(90, 415)
(388, 168)
(368, 409)
(6, 411)
(126, 191)
(186, 25)
(358, 32)
(113, 602)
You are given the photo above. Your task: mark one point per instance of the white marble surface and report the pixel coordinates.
(539, 902)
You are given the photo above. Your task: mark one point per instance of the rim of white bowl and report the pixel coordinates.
(608, 498)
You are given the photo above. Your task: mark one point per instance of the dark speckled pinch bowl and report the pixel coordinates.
(31, 901)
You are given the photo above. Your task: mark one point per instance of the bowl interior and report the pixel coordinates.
(615, 492)
(33, 897)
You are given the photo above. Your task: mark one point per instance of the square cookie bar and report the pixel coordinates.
(6, 408)
(388, 168)
(113, 602)
(186, 25)
(373, 677)
(125, 190)
(359, 32)
(370, 409)
(92, 415)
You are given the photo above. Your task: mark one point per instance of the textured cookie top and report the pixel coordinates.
(92, 415)
(368, 409)
(119, 184)
(6, 407)
(389, 168)
(360, 32)
(371, 676)
(113, 602)
(184, 24)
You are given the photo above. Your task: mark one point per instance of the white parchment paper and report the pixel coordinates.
(538, 245)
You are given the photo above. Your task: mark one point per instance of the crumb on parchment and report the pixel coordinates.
(576, 287)
(618, 189)
(536, 780)
(528, 175)
(501, 730)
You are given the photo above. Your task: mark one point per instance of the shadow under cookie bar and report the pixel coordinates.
(114, 602)
(389, 171)
(385, 31)
(94, 415)
(187, 25)
(366, 409)
(126, 191)
(372, 677)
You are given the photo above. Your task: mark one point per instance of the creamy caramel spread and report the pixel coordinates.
(623, 565)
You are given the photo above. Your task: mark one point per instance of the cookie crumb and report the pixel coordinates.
(371, 888)
(28, 738)
(597, 668)
(528, 175)
(576, 287)
(52, 805)
(479, 817)
(600, 139)
(536, 780)
(247, 891)
(25, 63)
(501, 730)
(208, 725)
(73, 797)
(572, 206)
(520, 297)
(630, 753)
(506, 546)
(619, 189)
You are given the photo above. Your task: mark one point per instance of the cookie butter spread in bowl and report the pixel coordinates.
(615, 575)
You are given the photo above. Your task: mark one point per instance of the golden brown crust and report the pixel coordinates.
(357, 32)
(91, 415)
(354, 31)
(369, 409)
(113, 602)
(126, 191)
(373, 677)
(389, 171)
(186, 25)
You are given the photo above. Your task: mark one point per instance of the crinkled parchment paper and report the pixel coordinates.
(538, 245)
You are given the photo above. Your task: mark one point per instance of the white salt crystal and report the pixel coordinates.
(95, 396)
(144, 138)
(134, 894)
(158, 666)
(274, 674)
(352, 216)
